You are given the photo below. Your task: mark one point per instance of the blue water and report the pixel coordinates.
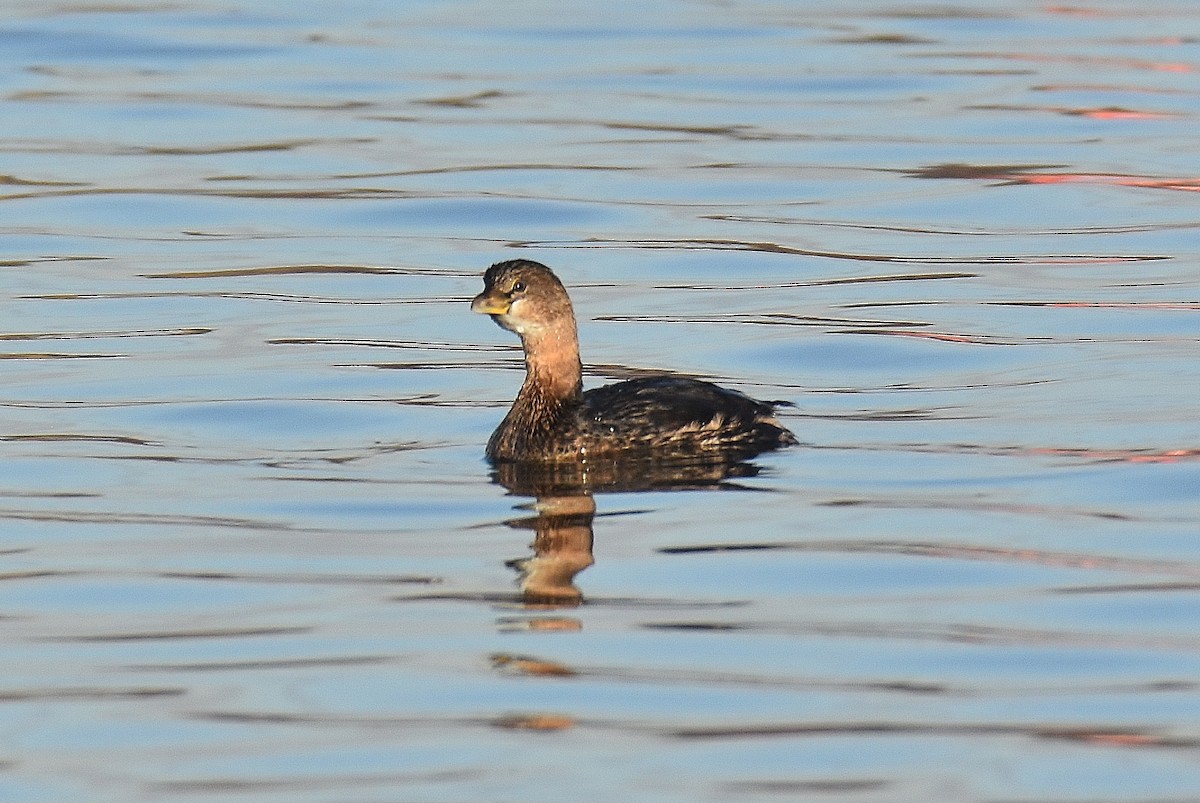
(251, 549)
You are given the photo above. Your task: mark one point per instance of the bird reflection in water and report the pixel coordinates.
(565, 508)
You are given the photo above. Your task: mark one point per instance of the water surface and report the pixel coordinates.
(252, 550)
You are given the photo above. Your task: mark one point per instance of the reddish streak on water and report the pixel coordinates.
(1113, 113)
(1124, 455)
(1101, 62)
(1184, 184)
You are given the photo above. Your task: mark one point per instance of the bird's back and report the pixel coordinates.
(664, 413)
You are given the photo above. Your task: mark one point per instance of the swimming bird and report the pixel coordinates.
(553, 419)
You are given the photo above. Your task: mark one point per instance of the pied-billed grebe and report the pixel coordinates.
(552, 419)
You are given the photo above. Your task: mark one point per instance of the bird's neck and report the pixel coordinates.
(553, 372)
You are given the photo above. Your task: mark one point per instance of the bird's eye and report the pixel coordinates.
(518, 287)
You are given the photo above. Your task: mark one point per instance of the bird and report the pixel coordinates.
(659, 417)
